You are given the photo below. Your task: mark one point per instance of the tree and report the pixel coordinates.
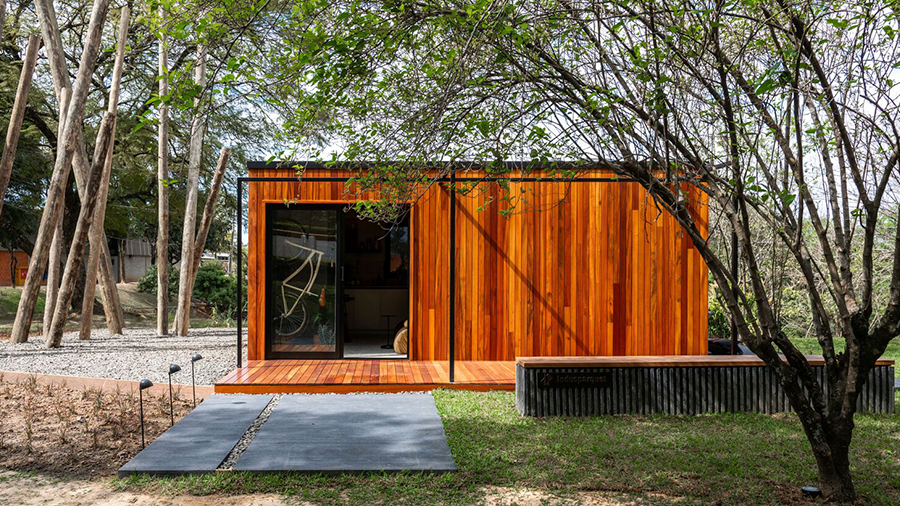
(162, 190)
(97, 234)
(783, 113)
(18, 114)
(63, 89)
(190, 212)
(131, 206)
(68, 145)
(199, 243)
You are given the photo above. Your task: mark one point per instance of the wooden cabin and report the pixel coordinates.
(589, 267)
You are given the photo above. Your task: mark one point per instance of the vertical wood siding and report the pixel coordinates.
(574, 269)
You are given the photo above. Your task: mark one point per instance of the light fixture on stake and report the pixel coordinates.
(173, 368)
(145, 384)
(195, 358)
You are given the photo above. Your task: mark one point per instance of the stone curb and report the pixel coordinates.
(106, 385)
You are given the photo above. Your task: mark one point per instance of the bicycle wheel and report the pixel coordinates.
(293, 322)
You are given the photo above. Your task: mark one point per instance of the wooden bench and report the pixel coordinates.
(689, 385)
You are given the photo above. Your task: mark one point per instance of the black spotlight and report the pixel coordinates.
(173, 368)
(194, 358)
(145, 384)
(811, 491)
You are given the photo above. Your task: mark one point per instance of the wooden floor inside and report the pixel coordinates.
(345, 376)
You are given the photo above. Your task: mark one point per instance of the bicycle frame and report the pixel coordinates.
(312, 278)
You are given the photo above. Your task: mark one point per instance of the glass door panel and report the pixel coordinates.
(302, 309)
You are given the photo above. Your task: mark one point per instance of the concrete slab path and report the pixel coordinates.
(201, 440)
(350, 433)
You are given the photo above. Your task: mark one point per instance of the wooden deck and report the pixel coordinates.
(345, 376)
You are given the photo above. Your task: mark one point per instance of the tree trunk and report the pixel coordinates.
(54, 273)
(190, 207)
(61, 81)
(82, 230)
(97, 226)
(121, 268)
(93, 264)
(18, 110)
(208, 210)
(2, 18)
(109, 294)
(54, 265)
(829, 438)
(70, 146)
(13, 263)
(162, 186)
(835, 480)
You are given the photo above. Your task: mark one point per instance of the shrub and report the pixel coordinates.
(212, 286)
(216, 288)
(719, 321)
(147, 284)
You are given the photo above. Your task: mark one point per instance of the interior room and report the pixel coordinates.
(376, 288)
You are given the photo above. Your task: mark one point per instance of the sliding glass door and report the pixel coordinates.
(303, 308)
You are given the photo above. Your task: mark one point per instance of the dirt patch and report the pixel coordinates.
(503, 496)
(40, 490)
(85, 433)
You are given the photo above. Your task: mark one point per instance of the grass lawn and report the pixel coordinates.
(727, 459)
(810, 346)
(9, 302)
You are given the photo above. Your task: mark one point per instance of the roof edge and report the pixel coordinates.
(472, 165)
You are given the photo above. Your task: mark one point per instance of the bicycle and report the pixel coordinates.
(295, 316)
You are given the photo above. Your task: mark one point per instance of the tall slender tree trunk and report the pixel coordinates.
(94, 256)
(54, 274)
(162, 186)
(208, 211)
(13, 263)
(54, 265)
(18, 110)
(82, 230)
(97, 225)
(61, 81)
(190, 207)
(121, 266)
(2, 18)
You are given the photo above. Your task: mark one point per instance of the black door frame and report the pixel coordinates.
(338, 352)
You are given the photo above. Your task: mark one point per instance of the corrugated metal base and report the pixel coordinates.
(675, 391)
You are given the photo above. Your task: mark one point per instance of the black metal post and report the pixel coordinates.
(240, 265)
(452, 276)
(193, 385)
(194, 358)
(143, 385)
(171, 404)
(173, 368)
(141, 394)
(734, 289)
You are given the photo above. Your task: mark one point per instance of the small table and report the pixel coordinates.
(389, 345)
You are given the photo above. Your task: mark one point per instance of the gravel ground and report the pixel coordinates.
(247, 438)
(137, 354)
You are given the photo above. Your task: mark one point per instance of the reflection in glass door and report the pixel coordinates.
(302, 278)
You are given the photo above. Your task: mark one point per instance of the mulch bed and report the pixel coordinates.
(79, 433)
